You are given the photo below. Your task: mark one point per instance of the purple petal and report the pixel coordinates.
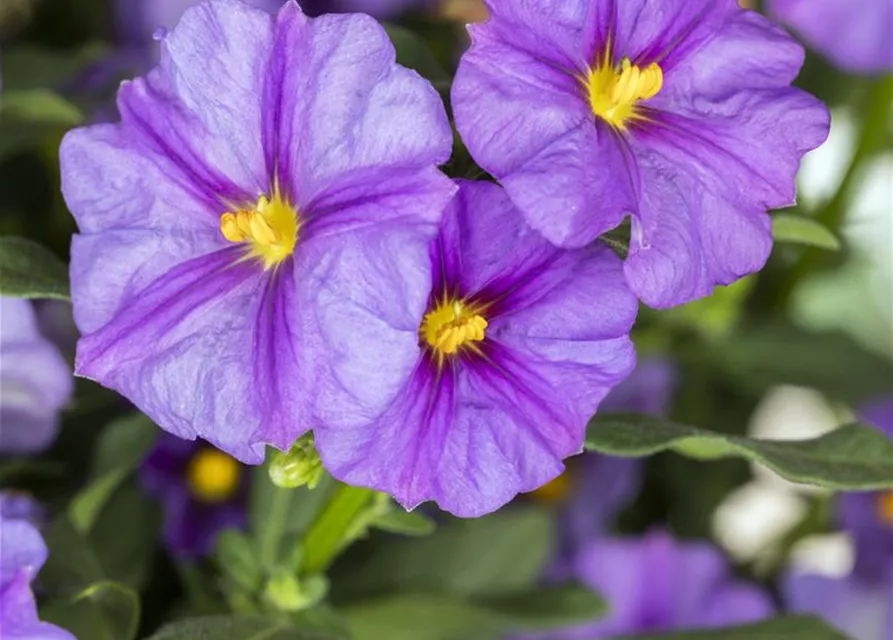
(201, 106)
(22, 549)
(338, 104)
(208, 350)
(855, 37)
(18, 613)
(687, 239)
(36, 381)
(862, 611)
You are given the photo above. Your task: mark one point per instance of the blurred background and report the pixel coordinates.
(791, 352)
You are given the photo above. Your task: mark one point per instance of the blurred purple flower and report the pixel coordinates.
(202, 491)
(22, 554)
(679, 112)
(657, 583)
(519, 344)
(268, 170)
(36, 381)
(598, 486)
(861, 603)
(853, 34)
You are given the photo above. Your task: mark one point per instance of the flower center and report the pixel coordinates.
(212, 476)
(885, 508)
(614, 92)
(450, 325)
(269, 229)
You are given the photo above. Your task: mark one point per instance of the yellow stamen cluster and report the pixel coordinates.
(885, 508)
(451, 325)
(269, 229)
(615, 91)
(212, 476)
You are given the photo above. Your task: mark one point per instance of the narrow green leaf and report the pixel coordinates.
(549, 607)
(29, 270)
(853, 457)
(504, 552)
(788, 227)
(238, 628)
(39, 105)
(335, 527)
(122, 445)
(407, 523)
(789, 628)
(102, 611)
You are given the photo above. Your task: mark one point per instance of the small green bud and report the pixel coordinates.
(286, 593)
(300, 466)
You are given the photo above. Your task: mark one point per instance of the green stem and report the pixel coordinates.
(271, 533)
(871, 138)
(335, 527)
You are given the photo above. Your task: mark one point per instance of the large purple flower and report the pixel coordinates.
(485, 393)
(854, 35)
(202, 491)
(36, 381)
(658, 584)
(22, 554)
(678, 112)
(268, 170)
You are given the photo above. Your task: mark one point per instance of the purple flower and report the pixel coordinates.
(268, 170)
(598, 486)
(657, 584)
(491, 387)
(202, 491)
(22, 554)
(862, 610)
(678, 112)
(854, 36)
(36, 381)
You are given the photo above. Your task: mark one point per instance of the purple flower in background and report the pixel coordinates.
(853, 34)
(36, 381)
(269, 169)
(860, 604)
(202, 491)
(658, 584)
(22, 554)
(488, 390)
(678, 112)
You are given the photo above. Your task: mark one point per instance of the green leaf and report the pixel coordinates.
(72, 563)
(852, 457)
(789, 628)
(764, 356)
(336, 526)
(414, 53)
(504, 552)
(28, 270)
(31, 116)
(103, 611)
(558, 606)
(407, 523)
(421, 617)
(237, 628)
(121, 446)
(788, 227)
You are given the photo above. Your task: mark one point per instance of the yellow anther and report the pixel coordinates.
(615, 91)
(451, 325)
(885, 508)
(269, 229)
(212, 475)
